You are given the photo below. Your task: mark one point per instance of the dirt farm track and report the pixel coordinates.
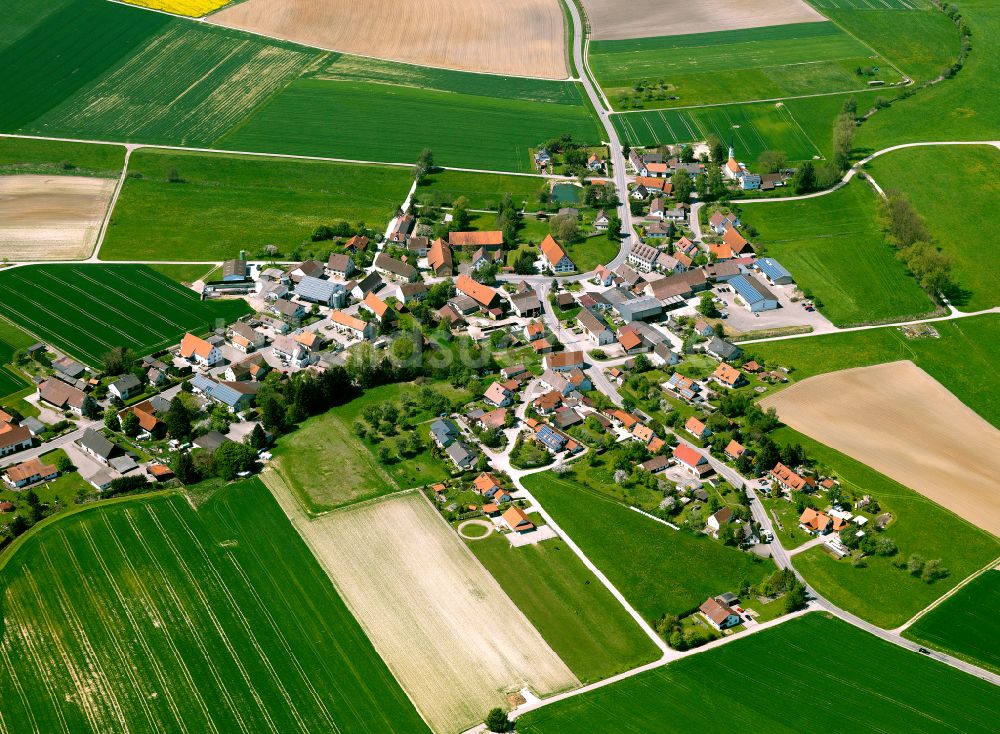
(900, 421)
(613, 19)
(518, 37)
(51, 217)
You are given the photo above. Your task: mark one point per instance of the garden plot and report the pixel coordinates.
(444, 626)
(610, 19)
(900, 421)
(518, 37)
(51, 217)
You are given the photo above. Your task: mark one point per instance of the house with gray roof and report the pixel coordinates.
(125, 387)
(461, 455)
(96, 445)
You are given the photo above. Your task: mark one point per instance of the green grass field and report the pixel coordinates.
(962, 359)
(659, 570)
(85, 310)
(328, 465)
(834, 249)
(483, 190)
(11, 339)
(965, 625)
(778, 681)
(67, 47)
(228, 203)
(954, 181)
(921, 41)
(148, 615)
(187, 86)
(753, 129)
(577, 616)
(50, 157)
(737, 66)
(954, 109)
(880, 593)
(370, 121)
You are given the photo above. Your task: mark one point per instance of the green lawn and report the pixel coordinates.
(188, 85)
(87, 309)
(753, 128)
(966, 624)
(962, 359)
(955, 109)
(835, 250)
(955, 181)
(590, 252)
(483, 190)
(365, 121)
(775, 681)
(148, 615)
(328, 465)
(882, 594)
(922, 42)
(659, 570)
(577, 616)
(11, 339)
(739, 65)
(228, 203)
(50, 157)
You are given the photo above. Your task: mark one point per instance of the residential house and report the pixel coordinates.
(307, 269)
(552, 439)
(29, 472)
(125, 387)
(756, 296)
(486, 484)
(498, 396)
(292, 351)
(410, 292)
(631, 342)
(643, 257)
(737, 242)
(483, 257)
(403, 229)
(684, 387)
(659, 230)
(639, 193)
(461, 455)
(377, 307)
(638, 165)
(145, 412)
(244, 337)
(340, 266)
(357, 243)
(720, 518)
(595, 164)
(595, 327)
(791, 481)
(817, 523)
(394, 269)
(734, 450)
(197, 350)
(516, 520)
(61, 396)
(444, 432)
(693, 462)
(14, 438)
(96, 445)
(237, 396)
(562, 361)
(697, 428)
(721, 349)
(526, 303)
(439, 258)
(726, 374)
(361, 288)
(418, 246)
(486, 297)
(555, 257)
(352, 325)
(720, 222)
(720, 615)
(252, 368)
(662, 355)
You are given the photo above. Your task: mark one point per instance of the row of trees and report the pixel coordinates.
(907, 231)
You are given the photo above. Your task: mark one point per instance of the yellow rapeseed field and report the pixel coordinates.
(192, 8)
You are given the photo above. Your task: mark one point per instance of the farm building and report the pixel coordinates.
(340, 265)
(323, 292)
(773, 271)
(755, 294)
(234, 270)
(394, 269)
(439, 258)
(492, 240)
(596, 328)
(61, 396)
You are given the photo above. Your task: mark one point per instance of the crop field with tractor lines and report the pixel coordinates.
(86, 310)
(146, 615)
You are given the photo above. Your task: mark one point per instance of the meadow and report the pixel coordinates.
(920, 39)
(54, 157)
(836, 252)
(64, 52)
(955, 109)
(879, 592)
(145, 614)
(11, 339)
(753, 128)
(964, 624)
(571, 609)
(744, 65)
(952, 179)
(392, 124)
(85, 310)
(962, 358)
(803, 664)
(187, 86)
(658, 569)
(228, 203)
(482, 190)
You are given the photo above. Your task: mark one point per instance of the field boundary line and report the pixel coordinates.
(99, 243)
(944, 597)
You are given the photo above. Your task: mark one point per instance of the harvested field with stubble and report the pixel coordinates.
(454, 640)
(518, 37)
(610, 19)
(900, 421)
(51, 217)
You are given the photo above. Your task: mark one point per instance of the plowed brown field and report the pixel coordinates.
(613, 19)
(51, 217)
(902, 422)
(518, 37)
